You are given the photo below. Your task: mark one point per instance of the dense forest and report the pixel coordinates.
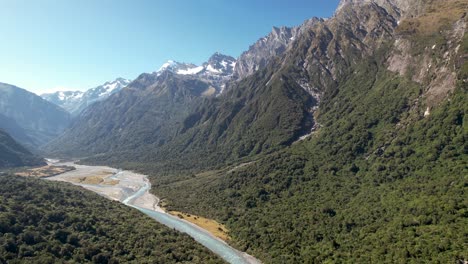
(385, 185)
(52, 222)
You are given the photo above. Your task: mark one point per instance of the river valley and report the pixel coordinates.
(133, 189)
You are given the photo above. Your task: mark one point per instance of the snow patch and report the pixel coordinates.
(191, 71)
(61, 96)
(428, 112)
(211, 69)
(166, 65)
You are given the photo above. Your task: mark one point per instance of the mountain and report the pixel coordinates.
(13, 154)
(149, 109)
(68, 100)
(39, 119)
(261, 113)
(381, 179)
(75, 101)
(217, 71)
(347, 143)
(266, 49)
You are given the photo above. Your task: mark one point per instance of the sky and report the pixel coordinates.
(52, 45)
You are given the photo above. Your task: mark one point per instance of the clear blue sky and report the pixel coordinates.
(51, 45)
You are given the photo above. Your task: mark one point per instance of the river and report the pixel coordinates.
(132, 189)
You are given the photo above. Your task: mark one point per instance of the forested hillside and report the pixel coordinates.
(12, 154)
(358, 190)
(382, 180)
(50, 222)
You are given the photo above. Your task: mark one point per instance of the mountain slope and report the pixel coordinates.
(344, 194)
(75, 101)
(18, 133)
(13, 154)
(383, 177)
(41, 120)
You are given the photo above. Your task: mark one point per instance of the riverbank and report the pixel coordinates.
(215, 228)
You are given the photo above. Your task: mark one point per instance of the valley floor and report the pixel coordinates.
(132, 189)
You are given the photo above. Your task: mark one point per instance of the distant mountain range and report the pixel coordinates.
(75, 101)
(30, 119)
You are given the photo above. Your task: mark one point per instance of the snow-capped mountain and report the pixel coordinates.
(216, 71)
(217, 64)
(75, 101)
(65, 99)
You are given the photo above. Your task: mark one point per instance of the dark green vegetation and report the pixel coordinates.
(50, 222)
(13, 154)
(370, 186)
(377, 183)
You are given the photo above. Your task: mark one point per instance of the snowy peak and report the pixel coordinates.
(177, 67)
(220, 64)
(217, 64)
(75, 101)
(62, 96)
(108, 88)
(216, 72)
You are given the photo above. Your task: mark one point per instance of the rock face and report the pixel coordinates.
(268, 48)
(40, 119)
(430, 49)
(75, 101)
(13, 154)
(263, 51)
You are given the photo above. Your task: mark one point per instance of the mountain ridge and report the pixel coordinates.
(75, 101)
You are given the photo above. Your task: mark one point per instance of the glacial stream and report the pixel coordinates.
(133, 190)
